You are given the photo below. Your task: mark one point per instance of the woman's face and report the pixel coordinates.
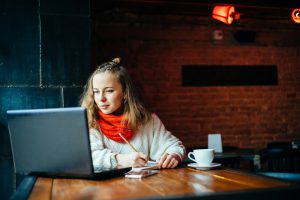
(108, 92)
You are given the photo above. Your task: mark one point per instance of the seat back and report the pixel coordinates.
(286, 176)
(280, 160)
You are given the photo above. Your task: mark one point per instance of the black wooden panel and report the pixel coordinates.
(6, 178)
(215, 75)
(66, 7)
(19, 42)
(65, 50)
(28, 98)
(5, 150)
(19, 7)
(244, 36)
(72, 96)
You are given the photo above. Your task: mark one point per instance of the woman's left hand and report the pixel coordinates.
(168, 161)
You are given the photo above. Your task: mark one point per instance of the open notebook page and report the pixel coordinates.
(149, 165)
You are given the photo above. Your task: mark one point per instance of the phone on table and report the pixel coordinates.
(140, 174)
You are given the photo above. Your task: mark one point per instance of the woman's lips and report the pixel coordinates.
(104, 107)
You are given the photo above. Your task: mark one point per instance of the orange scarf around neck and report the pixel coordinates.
(111, 126)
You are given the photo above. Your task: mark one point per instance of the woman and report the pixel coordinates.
(113, 107)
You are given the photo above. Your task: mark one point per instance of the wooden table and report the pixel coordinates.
(182, 182)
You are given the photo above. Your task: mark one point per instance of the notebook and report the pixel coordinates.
(54, 142)
(150, 165)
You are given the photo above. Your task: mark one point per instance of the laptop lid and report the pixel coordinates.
(52, 142)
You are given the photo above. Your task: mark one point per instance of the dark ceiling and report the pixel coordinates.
(260, 9)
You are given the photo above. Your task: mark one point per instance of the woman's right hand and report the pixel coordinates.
(133, 159)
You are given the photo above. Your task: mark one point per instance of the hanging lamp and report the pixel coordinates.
(225, 14)
(295, 15)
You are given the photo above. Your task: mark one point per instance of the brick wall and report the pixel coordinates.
(154, 47)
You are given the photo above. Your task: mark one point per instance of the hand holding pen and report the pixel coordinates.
(165, 161)
(134, 159)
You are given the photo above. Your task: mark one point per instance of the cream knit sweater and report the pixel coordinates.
(152, 139)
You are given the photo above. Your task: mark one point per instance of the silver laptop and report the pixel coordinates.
(53, 142)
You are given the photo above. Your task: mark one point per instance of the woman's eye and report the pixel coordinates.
(109, 91)
(96, 92)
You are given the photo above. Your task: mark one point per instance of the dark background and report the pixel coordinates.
(48, 49)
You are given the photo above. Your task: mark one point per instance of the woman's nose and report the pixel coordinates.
(102, 98)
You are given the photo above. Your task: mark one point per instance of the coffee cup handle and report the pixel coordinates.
(190, 154)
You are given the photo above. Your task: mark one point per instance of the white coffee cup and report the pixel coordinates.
(203, 157)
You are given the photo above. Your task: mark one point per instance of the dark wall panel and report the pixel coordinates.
(19, 43)
(75, 7)
(65, 50)
(44, 62)
(215, 75)
(72, 96)
(28, 98)
(6, 178)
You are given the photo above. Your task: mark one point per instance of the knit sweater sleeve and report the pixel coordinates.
(164, 142)
(103, 158)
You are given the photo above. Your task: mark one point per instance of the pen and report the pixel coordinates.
(120, 134)
(151, 162)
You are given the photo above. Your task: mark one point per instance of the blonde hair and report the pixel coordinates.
(135, 114)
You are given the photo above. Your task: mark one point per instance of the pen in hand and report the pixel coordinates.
(120, 134)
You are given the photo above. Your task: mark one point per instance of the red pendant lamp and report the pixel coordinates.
(225, 14)
(295, 15)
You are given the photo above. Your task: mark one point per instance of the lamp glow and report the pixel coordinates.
(225, 14)
(295, 15)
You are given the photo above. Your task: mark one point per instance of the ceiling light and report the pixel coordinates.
(295, 15)
(225, 14)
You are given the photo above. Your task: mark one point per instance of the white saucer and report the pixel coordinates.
(204, 167)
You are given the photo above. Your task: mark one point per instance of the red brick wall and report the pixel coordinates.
(154, 48)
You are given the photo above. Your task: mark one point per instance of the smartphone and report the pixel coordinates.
(140, 174)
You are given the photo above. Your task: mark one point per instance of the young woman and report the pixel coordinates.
(113, 107)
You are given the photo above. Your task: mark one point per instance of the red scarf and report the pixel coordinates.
(111, 126)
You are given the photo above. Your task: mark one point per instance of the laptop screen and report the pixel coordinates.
(50, 141)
